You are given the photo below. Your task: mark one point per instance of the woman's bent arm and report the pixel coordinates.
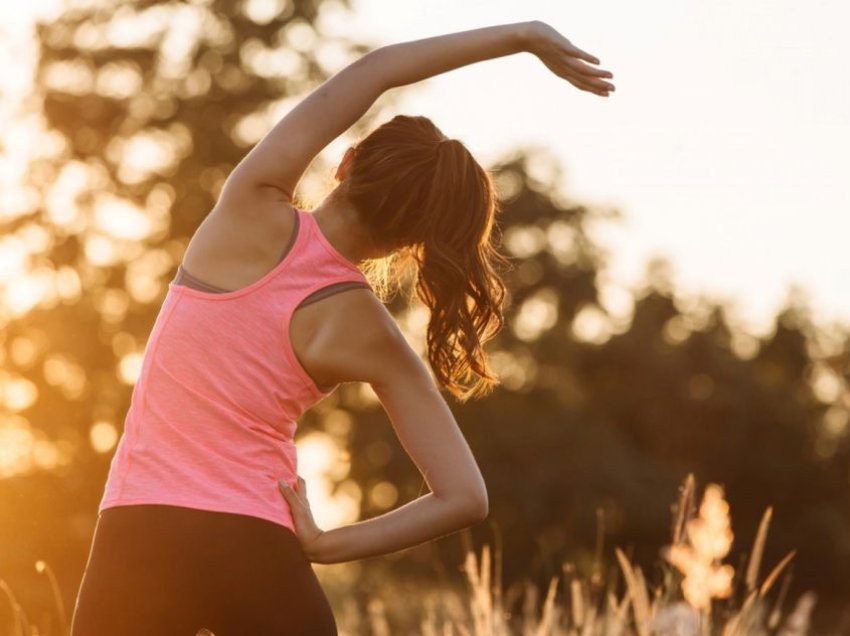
(426, 518)
(361, 342)
(283, 155)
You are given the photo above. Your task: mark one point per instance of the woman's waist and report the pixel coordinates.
(160, 446)
(203, 470)
(220, 508)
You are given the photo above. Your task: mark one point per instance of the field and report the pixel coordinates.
(698, 596)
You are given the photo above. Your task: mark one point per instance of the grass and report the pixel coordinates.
(694, 597)
(685, 603)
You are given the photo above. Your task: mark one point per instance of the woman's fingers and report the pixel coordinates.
(593, 80)
(297, 495)
(285, 488)
(596, 84)
(587, 82)
(568, 71)
(585, 86)
(302, 516)
(292, 496)
(583, 54)
(588, 72)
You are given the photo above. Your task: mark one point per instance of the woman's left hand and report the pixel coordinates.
(305, 527)
(566, 60)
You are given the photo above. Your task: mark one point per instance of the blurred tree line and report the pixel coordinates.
(601, 412)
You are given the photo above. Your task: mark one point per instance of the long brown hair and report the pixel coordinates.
(427, 202)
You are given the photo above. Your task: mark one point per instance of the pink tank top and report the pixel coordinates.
(213, 414)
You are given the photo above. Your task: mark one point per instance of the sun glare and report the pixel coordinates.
(23, 449)
(129, 367)
(103, 436)
(538, 314)
(319, 459)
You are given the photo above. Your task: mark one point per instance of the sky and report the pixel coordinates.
(726, 146)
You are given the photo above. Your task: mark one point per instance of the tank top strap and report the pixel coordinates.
(315, 239)
(322, 270)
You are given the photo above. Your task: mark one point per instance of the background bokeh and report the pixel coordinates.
(621, 371)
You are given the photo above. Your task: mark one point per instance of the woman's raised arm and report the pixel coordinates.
(282, 156)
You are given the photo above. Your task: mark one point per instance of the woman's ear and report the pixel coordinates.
(342, 169)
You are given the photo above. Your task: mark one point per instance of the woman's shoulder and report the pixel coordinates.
(241, 239)
(355, 335)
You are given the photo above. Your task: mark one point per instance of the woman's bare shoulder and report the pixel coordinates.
(358, 340)
(240, 240)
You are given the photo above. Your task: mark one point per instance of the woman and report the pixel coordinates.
(204, 522)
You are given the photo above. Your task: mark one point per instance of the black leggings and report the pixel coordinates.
(160, 570)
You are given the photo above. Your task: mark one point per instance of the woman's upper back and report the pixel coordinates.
(214, 411)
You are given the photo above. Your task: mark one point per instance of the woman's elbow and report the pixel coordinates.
(479, 507)
(467, 509)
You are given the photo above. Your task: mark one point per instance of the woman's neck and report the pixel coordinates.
(341, 226)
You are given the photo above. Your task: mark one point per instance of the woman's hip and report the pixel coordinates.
(175, 570)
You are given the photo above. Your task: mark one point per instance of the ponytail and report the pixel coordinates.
(432, 207)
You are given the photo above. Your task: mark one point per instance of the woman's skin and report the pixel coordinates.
(350, 336)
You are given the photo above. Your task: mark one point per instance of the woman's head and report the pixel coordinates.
(426, 202)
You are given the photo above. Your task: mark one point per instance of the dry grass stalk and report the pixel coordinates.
(776, 613)
(771, 578)
(615, 615)
(684, 509)
(529, 609)
(758, 550)
(739, 624)
(577, 602)
(547, 621)
(21, 627)
(481, 606)
(590, 624)
(638, 596)
(643, 586)
(42, 567)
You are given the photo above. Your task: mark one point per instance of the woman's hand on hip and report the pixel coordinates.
(565, 59)
(306, 530)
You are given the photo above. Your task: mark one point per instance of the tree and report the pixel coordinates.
(597, 413)
(147, 107)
